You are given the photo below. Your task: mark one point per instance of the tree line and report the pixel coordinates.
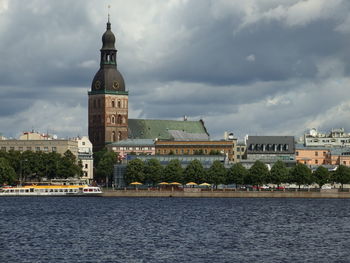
(18, 166)
(151, 172)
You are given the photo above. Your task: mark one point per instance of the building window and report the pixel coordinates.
(324, 153)
(113, 136)
(83, 143)
(20, 149)
(46, 149)
(297, 153)
(95, 104)
(113, 104)
(3, 149)
(119, 136)
(119, 120)
(316, 153)
(316, 161)
(86, 166)
(113, 119)
(37, 149)
(119, 104)
(54, 149)
(99, 103)
(12, 148)
(238, 157)
(344, 162)
(28, 148)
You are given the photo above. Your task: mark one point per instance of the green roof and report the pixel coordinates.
(151, 129)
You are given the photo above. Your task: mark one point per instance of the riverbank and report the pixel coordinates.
(226, 194)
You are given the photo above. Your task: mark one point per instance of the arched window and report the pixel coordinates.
(119, 120)
(119, 135)
(113, 119)
(113, 136)
(119, 104)
(113, 104)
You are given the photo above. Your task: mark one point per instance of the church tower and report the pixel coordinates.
(108, 100)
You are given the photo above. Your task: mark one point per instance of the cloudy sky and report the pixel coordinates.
(258, 67)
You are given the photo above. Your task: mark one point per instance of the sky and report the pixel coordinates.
(257, 67)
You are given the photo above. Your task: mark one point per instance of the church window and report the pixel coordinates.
(113, 104)
(119, 136)
(119, 103)
(119, 120)
(113, 119)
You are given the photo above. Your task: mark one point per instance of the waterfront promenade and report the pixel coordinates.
(333, 193)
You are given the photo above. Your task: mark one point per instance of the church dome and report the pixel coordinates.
(108, 38)
(108, 79)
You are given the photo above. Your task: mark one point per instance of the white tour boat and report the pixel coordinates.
(51, 189)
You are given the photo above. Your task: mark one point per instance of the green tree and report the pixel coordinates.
(68, 166)
(279, 173)
(7, 173)
(173, 172)
(105, 167)
(342, 175)
(194, 172)
(135, 171)
(51, 165)
(153, 171)
(236, 174)
(321, 176)
(301, 174)
(259, 173)
(217, 173)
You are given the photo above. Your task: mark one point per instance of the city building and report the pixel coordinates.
(59, 146)
(335, 138)
(312, 155)
(133, 146)
(340, 156)
(85, 155)
(219, 147)
(270, 149)
(241, 151)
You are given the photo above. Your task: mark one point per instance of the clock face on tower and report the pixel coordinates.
(115, 85)
(97, 84)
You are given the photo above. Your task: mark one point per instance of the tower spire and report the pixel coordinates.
(109, 23)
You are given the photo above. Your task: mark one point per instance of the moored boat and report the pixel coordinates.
(51, 190)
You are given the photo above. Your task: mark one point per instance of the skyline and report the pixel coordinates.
(245, 67)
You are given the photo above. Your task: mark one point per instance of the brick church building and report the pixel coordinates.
(108, 108)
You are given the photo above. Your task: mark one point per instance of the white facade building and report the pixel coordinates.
(86, 157)
(336, 138)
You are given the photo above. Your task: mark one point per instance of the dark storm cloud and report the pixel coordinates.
(246, 66)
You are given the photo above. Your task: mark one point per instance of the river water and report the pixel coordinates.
(73, 229)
